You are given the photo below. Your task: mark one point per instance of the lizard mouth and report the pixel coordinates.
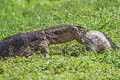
(82, 28)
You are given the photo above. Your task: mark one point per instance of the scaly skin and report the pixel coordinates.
(27, 43)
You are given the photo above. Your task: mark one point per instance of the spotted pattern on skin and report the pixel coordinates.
(27, 43)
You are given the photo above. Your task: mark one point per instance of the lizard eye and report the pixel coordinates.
(80, 28)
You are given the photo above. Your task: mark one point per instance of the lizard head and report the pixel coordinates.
(82, 28)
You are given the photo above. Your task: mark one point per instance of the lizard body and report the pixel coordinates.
(28, 43)
(25, 43)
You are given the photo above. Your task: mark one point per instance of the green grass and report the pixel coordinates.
(75, 63)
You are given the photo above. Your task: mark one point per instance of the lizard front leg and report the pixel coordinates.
(43, 47)
(36, 47)
(27, 51)
(33, 47)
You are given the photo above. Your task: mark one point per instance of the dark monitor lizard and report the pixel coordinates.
(27, 43)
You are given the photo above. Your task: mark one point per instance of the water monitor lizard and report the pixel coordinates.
(27, 43)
